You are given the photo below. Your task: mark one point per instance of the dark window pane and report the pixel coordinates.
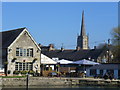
(21, 52)
(92, 71)
(119, 73)
(31, 52)
(27, 52)
(17, 51)
(101, 72)
(24, 52)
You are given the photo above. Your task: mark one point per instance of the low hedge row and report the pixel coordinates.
(23, 72)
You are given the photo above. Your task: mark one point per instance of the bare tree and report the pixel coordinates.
(116, 44)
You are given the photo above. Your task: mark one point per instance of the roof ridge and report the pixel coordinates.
(14, 29)
(9, 36)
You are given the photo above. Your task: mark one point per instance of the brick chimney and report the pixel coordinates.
(95, 47)
(39, 45)
(51, 47)
(62, 49)
(77, 48)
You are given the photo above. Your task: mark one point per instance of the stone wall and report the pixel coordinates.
(32, 81)
(58, 81)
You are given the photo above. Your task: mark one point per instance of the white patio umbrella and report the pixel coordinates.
(85, 62)
(63, 61)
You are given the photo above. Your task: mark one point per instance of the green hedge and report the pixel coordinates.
(24, 72)
(16, 72)
(31, 72)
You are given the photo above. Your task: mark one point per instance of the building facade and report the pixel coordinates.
(102, 69)
(96, 55)
(20, 52)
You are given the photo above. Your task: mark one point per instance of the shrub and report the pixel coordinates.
(8, 71)
(50, 68)
(6, 63)
(16, 72)
(23, 72)
(31, 72)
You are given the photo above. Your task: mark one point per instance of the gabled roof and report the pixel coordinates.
(74, 55)
(9, 36)
(47, 60)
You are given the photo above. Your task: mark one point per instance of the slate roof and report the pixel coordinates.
(106, 66)
(74, 55)
(9, 36)
(45, 48)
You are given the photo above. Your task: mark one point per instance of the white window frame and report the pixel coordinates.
(24, 52)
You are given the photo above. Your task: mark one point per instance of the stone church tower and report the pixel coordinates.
(82, 39)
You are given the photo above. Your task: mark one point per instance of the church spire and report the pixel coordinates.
(82, 40)
(83, 33)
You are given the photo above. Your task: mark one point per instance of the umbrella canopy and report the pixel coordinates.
(63, 61)
(85, 62)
